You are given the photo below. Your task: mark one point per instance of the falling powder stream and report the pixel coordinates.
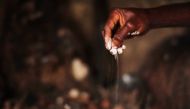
(117, 79)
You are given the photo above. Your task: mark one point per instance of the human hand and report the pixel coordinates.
(131, 22)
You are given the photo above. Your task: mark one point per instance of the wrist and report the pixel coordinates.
(150, 14)
(168, 16)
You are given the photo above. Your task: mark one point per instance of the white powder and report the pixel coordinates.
(117, 79)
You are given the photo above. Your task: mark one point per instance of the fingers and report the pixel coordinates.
(107, 32)
(122, 34)
(131, 23)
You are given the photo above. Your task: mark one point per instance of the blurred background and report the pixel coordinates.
(52, 56)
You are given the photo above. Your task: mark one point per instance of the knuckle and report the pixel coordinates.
(118, 38)
(130, 26)
(115, 11)
(132, 14)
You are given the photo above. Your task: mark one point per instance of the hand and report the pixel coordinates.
(132, 22)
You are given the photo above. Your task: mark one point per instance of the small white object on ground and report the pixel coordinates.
(127, 79)
(59, 100)
(80, 70)
(74, 93)
(66, 106)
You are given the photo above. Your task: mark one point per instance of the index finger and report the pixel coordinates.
(110, 24)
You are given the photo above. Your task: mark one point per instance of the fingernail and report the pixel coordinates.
(120, 50)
